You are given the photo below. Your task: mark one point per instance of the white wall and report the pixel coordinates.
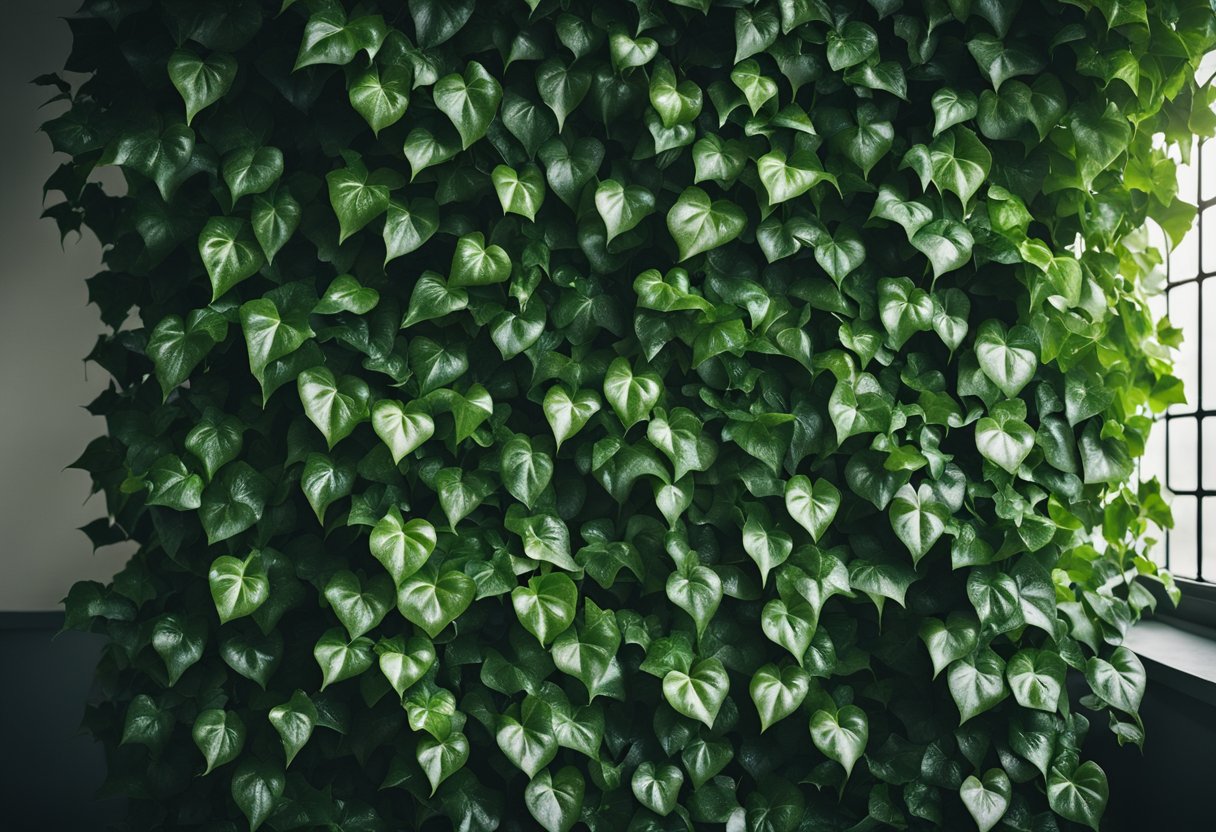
(46, 328)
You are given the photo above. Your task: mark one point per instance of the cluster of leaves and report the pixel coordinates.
(641, 414)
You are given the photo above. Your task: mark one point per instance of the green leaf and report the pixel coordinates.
(769, 547)
(949, 641)
(812, 505)
(755, 30)
(357, 196)
(275, 217)
(569, 168)
(1101, 135)
(238, 586)
(325, 481)
(697, 590)
(1004, 437)
(402, 427)
(918, 518)
(1008, 357)
(757, 88)
(567, 414)
(841, 735)
(622, 208)
(699, 224)
(381, 96)
(220, 736)
(408, 225)
(1001, 62)
(987, 800)
(233, 502)
(470, 100)
(528, 741)
(257, 788)
(336, 405)
(960, 163)
(272, 332)
(341, 659)
(977, 683)
(476, 264)
(698, 693)
(903, 309)
(179, 641)
(946, 243)
(329, 38)
(230, 253)
(676, 102)
(562, 88)
(433, 600)
(632, 395)
(440, 759)
(681, 436)
(347, 294)
(1036, 678)
(519, 193)
(778, 692)
(405, 661)
(201, 81)
(556, 801)
(951, 107)
(526, 472)
(657, 787)
(951, 308)
(294, 721)
(359, 606)
(546, 606)
(1079, 796)
(786, 178)
(718, 160)
(252, 170)
(172, 485)
(437, 21)
(1119, 681)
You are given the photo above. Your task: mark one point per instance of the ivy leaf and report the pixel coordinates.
(519, 192)
(440, 759)
(1007, 357)
(408, 225)
(567, 414)
(987, 800)
(697, 590)
(947, 642)
(1001, 62)
(946, 243)
(233, 502)
(433, 600)
(1004, 437)
(1079, 796)
(778, 692)
(977, 683)
(841, 735)
(272, 332)
(812, 505)
(528, 741)
(325, 481)
(850, 45)
(676, 102)
(359, 607)
(960, 163)
(177, 348)
(341, 659)
(786, 178)
(632, 395)
(1119, 681)
(437, 21)
(1036, 678)
(252, 170)
(329, 38)
(381, 96)
(769, 547)
(918, 518)
(562, 88)
(294, 721)
(257, 788)
(275, 217)
(546, 606)
(569, 168)
(718, 160)
(657, 787)
(238, 586)
(757, 88)
(526, 472)
(357, 196)
(903, 309)
(476, 264)
(470, 100)
(402, 427)
(347, 294)
(951, 107)
(951, 308)
(405, 661)
(220, 736)
(230, 253)
(699, 224)
(556, 801)
(201, 81)
(622, 208)
(698, 693)
(335, 405)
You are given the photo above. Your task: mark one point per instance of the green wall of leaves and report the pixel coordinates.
(644, 415)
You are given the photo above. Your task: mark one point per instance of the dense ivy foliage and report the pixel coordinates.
(645, 415)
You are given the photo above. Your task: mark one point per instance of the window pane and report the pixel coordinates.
(1183, 539)
(1207, 333)
(1184, 313)
(1184, 448)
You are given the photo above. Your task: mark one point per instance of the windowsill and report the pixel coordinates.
(1177, 653)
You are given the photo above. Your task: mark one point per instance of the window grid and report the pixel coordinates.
(1188, 474)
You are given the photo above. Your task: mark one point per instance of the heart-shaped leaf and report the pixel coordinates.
(987, 800)
(841, 735)
(698, 223)
(546, 605)
(699, 693)
(778, 692)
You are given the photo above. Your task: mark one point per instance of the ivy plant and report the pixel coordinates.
(625, 414)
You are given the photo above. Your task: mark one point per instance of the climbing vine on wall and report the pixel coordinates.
(625, 415)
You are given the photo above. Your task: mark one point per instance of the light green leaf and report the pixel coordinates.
(786, 178)
(546, 606)
(987, 800)
(841, 735)
(381, 96)
(433, 600)
(697, 590)
(230, 253)
(657, 787)
(1079, 796)
(698, 224)
(699, 693)
(405, 661)
(201, 81)
(918, 518)
(977, 683)
(340, 659)
(1036, 678)
(357, 196)
(812, 505)
(252, 170)
(440, 759)
(470, 100)
(778, 692)
(1004, 437)
(1009, 358)
(238, 587)
(1119, 681)
(336, 405)
(294, 721)
(519, 192)
(556, 801)
(622, 208)
(220, 736)
(949, 641)
(408, 225)
(476, 264)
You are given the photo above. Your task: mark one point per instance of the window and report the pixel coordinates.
(1182, 450)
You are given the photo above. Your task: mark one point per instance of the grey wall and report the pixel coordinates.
(46, 328)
